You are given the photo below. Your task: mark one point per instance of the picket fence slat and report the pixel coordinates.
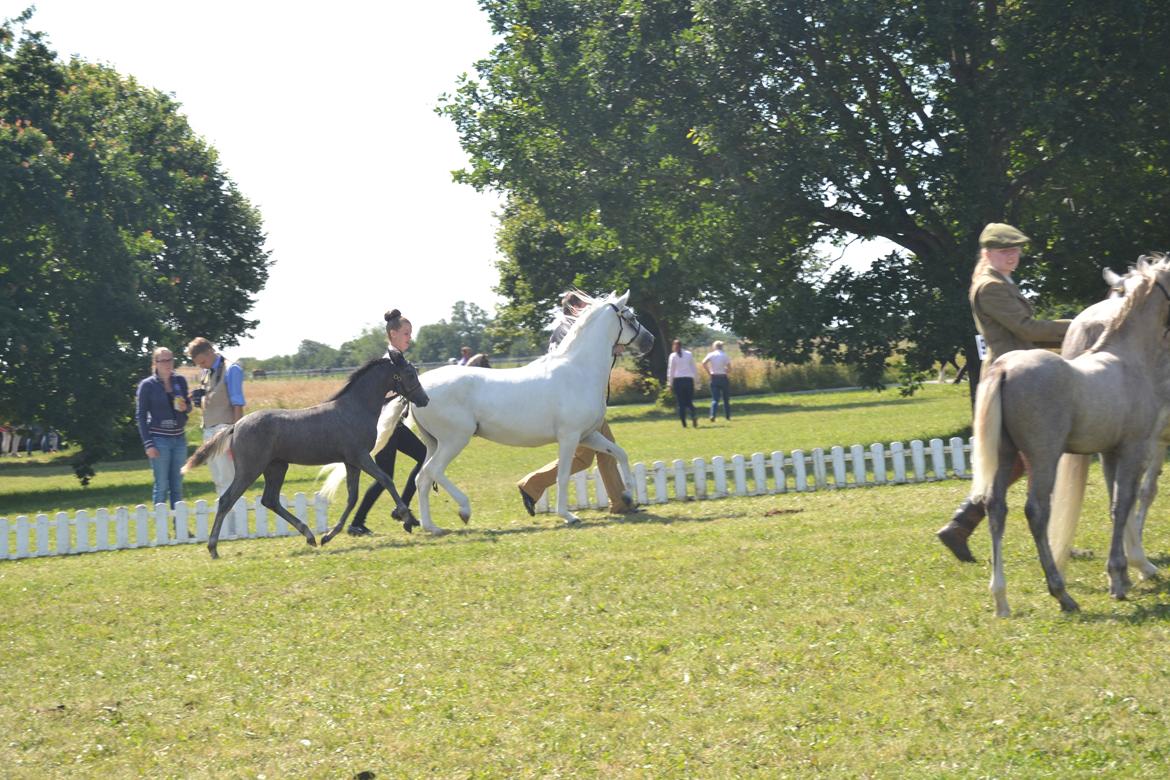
(102, 530)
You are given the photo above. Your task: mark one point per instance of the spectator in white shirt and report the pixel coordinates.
(682, 373)
(718, 365)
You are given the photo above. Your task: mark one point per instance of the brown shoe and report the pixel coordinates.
(956, 533)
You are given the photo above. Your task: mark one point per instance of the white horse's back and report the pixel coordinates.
(510, 406)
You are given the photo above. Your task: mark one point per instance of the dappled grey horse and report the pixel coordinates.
(1111, 399)
(342, 429)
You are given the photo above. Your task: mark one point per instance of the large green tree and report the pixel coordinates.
(119, 231)
(702, 149)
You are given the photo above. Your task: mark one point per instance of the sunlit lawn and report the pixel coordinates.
(780, 636)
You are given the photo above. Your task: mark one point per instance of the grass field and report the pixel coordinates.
(781, 636)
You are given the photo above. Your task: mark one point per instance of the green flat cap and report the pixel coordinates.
(997, 235)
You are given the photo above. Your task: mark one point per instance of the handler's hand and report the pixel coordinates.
(152, 452)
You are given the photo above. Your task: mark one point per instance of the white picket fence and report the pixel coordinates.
(125, 528)
(798, 471)
(761, 474)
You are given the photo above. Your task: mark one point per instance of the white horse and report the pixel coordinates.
(1072, 473)
(557, 398)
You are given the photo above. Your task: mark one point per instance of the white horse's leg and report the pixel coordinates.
(460, 497)
(595, 441)
(565, 450)
(1134, 551)
(432, 472)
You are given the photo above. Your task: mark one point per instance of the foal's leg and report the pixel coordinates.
(240, 483)
(1037, 509)
(595, 441)
(352, 474)
(273, 479)
(1128, 468)
(1134, 551)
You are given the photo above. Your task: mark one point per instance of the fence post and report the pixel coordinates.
(82, 543)
(699, 466)
(102, 529)
(837, 455)
(820, 477)
(322, 507)
(121, 528)
(659, 482)
(22, 534)
(641, 495)
(781, 479)
(938, 459)
(680, 480)
(302, 512)
(182, 526)
(759, 474)
(878, 455)
(4, 540)
(739, 470)
(719, 469)
(857, 456)
(798, 471)
(141, 529)
(580, 482)
(898, 458)
(262, 520)
(918, 457)
(61, 523)
(42, 535)
(201, 511)
(957, 457)
(162, 522)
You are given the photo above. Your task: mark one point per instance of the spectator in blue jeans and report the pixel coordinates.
(718, 366)
(162, 406)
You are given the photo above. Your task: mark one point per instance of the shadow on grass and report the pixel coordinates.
(389, 540)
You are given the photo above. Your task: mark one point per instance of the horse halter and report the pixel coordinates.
(637, 328)
(1167, 295)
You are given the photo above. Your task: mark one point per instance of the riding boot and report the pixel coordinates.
(955, 533)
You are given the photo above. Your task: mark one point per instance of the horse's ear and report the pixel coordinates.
(622, 300)
(1111, 277)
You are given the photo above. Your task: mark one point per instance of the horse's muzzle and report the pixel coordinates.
(644, 343)
(419, 397)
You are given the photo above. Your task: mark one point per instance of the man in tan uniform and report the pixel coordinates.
(1005, 319)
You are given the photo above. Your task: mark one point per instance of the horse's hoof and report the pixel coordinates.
(311, 542)
(326, 539)
(214, 554)
(408, 526)
(439, 531)
(572, 520)
(466, 518)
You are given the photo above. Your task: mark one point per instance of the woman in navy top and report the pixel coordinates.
(163, 403)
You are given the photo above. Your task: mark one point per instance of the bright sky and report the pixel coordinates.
(323, 115)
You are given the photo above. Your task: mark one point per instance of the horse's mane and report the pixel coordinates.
(1147, 266)
(356, 375)
(577, 321)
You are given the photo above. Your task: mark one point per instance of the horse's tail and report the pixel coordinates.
(334, 473)
(1068, 494)
(988, 429)
(217, 444)
(387, 421)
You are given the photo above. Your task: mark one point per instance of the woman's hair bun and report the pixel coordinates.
(393, 314)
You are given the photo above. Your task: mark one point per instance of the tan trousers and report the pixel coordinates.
(538, 481)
